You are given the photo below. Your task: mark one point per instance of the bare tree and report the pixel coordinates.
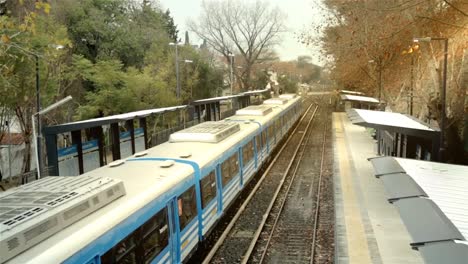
(247, 29)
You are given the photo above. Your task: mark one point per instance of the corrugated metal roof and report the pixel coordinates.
(254, 92)
(455, 252)
(390, 119)
(109, 119)
(432, 199)
(366, 99)
(392, 122)
(351, 92)
(445, 184)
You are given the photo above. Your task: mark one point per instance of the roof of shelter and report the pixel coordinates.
(393, 122)
(109, 119)
(348, 97)
(351, 92)
(78, 125)
(227, 97)
(433, 204)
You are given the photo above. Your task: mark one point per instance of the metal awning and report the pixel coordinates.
(255, 92)
(78, 125)
(432, 201)
(454, 252)
(229, 97)
(392, 122)
(351, 92)
(358, 98)
(216, 99)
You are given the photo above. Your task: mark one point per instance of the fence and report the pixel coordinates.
(156, 139)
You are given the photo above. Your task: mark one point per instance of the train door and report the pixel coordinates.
(209, 200)
(151, 242)
(174, 237)
(186, 224)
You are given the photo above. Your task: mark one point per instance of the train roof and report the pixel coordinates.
(144, 181)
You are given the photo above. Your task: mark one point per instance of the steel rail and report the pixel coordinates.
(273, 228)
(233, 221)
(317, 203)
(270, 206)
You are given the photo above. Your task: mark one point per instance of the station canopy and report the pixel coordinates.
(78, 125)
(256, 92)
(432, 200)
(351, 92)
(229, 97)
(392, 122)
(358, 98)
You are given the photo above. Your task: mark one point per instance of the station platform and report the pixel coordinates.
(368, 229)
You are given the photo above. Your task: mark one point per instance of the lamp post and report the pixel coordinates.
(412, 85)
(37, 138)
(231, 60)
(177, 67)
(231, 75)
(38, 104)
(38, 92)
(444, 91)
(189, 62)
(411, 51)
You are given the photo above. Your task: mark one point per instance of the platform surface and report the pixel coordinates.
(368, 228)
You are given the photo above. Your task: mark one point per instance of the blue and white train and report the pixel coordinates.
(153, 207)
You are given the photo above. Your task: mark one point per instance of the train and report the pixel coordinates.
(153, 207)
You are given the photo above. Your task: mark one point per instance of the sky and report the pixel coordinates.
(300, 14)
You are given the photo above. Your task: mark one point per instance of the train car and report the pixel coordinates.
(153, 207)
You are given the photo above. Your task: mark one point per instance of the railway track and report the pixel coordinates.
(289, 233)
(236, 241)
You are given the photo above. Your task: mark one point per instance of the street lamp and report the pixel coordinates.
(38, 93)
(411, 51)
(189, 62)
(37, 139)
(177, 66)
(231, 63)
(444, 91)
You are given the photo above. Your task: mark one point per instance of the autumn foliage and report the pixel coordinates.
(364, 39)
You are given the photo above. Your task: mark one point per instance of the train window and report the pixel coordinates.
(229, 168)
(123, 252)
(234, 164)
(144, 244)
(257, 143)
(225, 172)
(208, 188)
(155, 235)
(247, 153)
(187, 204)
(264, 139)
(271, 133)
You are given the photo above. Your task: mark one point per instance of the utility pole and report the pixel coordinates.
(411, 85)
(175, 44)
(39, 125)
(443, 96)
(231, 76)
(380, 81)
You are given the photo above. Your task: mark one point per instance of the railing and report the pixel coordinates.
(156, 139)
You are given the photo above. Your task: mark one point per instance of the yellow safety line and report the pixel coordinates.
(358, 250)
